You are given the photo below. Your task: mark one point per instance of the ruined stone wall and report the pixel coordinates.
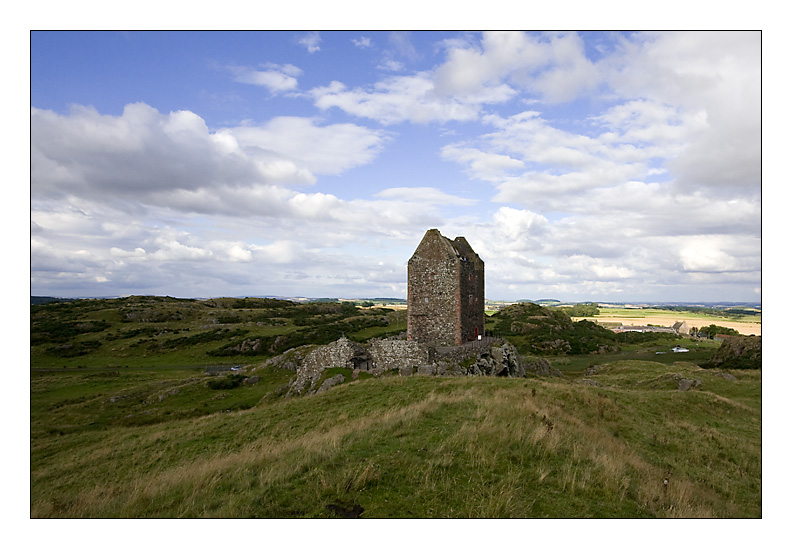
(389, 354)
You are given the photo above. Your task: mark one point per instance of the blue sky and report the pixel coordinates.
(611, 166)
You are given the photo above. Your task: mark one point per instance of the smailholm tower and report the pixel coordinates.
(445, 291)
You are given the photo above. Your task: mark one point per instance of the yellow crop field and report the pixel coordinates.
(749, 325)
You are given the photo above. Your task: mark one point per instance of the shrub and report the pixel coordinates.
(70, 350)
(712, 330)
(203, 337)
(229, 319)
(55, 331)
(226, 382)
(262, 303)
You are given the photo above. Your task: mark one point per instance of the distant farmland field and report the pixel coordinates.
(747, 325)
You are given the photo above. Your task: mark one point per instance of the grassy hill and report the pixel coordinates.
(134, 426)
(149, 444)
(550, 331)
(144, 330)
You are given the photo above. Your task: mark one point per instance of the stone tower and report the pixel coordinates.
(445, 291)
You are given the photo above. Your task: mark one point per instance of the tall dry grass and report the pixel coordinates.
(439, 448)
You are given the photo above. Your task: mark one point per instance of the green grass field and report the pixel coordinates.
(135, 427)
(162, 444)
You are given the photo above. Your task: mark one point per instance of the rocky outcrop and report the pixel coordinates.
(330, 382)
(248, 346)
(738, 352)
(292, 359)
(606, 349)
(541, 367)
(684, 384)
(404, 358)
(555, 346)
(550, 331)
(500, 361)
(339, 354)
(163, 396)
(669, 381)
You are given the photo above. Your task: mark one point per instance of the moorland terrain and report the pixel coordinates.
(146, 407)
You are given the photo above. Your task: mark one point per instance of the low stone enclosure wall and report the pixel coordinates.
(493, 357)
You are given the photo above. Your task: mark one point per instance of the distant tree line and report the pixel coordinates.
(730, 312)
(712, 330)
(582, 309)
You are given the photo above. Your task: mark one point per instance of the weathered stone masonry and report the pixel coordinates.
(445, 291)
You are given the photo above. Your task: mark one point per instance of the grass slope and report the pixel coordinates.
(125, 422)
(161, 443)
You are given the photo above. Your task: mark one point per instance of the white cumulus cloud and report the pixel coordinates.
(310, 41)
(362, 42)
(145, 157)
(276, 78)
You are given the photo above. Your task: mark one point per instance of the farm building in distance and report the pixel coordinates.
(643, 329)
(678, 328)
(445, 291)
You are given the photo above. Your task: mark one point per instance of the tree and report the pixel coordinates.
(582, 309)
(712, 330)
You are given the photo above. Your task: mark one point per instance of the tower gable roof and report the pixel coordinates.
(464, 250)
(437, 243)
(433, 243)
